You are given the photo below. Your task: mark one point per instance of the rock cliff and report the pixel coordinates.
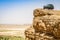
(46, 25)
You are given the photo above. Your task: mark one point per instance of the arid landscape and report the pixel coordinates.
(13, 30)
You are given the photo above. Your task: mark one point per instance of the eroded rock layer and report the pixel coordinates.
(46, 25)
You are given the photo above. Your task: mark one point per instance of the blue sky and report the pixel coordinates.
(21, 11)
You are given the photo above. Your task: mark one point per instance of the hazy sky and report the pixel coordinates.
(21, 11)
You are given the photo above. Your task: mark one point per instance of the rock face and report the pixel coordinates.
(29, 33)
(46, 25)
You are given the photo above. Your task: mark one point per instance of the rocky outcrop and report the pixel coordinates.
(46, 25)
(29, 33)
